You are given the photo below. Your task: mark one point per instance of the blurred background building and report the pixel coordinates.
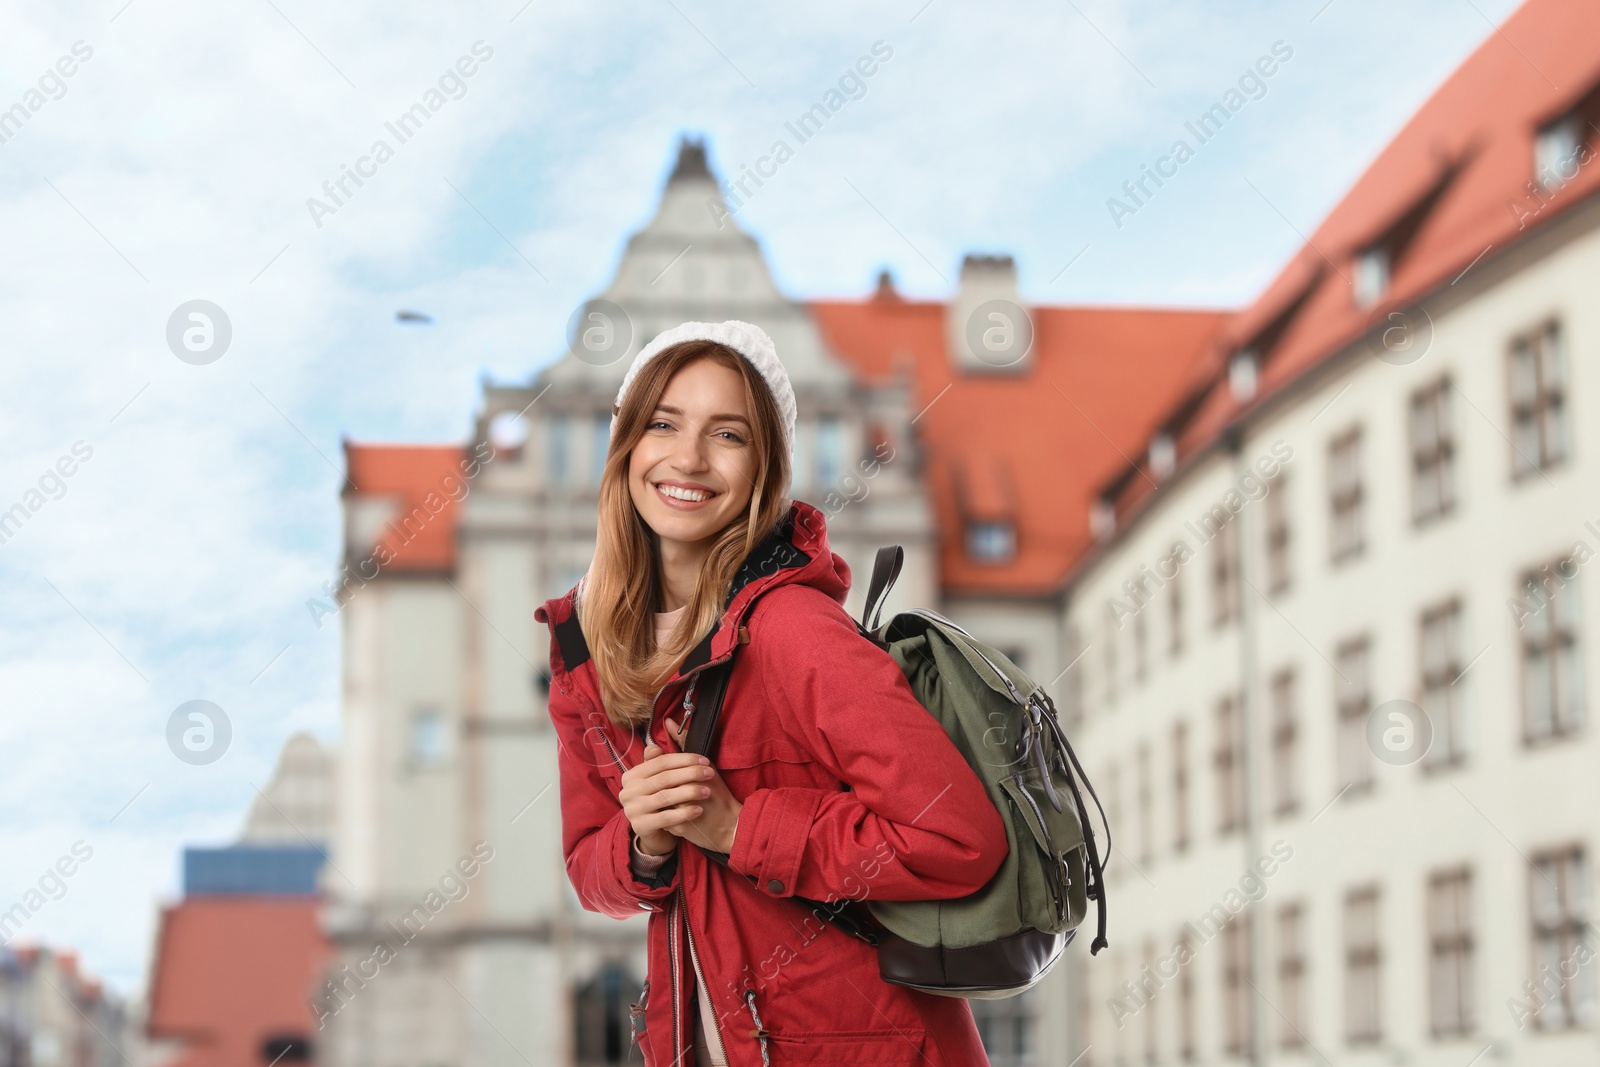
(54, 1015)
(1235, 547)
(1335, 634)
(238, 961)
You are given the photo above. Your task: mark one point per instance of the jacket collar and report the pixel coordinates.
(795, 552)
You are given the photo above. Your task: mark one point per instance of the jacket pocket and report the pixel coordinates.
(764, 764)
(839, 1048)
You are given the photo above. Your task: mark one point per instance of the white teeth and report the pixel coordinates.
(683, 494)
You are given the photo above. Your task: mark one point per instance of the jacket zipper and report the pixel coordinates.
(672, 909)
(672, 969)
(716, 1024)
(606, 737)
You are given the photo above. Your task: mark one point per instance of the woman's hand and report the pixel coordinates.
(718, 817)
(662, 793)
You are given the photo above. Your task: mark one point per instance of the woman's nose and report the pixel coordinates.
(691, 452)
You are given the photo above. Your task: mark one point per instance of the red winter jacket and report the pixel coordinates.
(850, 789)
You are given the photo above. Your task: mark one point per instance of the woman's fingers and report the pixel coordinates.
(643, 785)
(679, 734)
(666, 798)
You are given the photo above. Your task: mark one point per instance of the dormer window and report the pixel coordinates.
(991, 540)
(1372, 276)
(1242, 376)
(1555, 152)
(1102, 519)
(1163, 455)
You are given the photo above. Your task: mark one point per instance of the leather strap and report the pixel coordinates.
(712, 684)
(885, 569)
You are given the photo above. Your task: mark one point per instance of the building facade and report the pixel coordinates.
(1338, 638)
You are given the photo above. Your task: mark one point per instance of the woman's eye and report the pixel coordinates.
(732, 436)
(659, 422)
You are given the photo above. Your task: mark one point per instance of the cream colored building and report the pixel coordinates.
(1308, 636)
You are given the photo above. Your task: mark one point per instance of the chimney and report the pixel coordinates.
(886, 289)
(987, 328)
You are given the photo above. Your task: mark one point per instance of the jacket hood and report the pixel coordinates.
(795, 552)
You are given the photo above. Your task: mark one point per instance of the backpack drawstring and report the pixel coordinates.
(760, 1032)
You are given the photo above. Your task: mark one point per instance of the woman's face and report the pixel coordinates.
(693, 471)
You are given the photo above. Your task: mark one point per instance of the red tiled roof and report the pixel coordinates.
(231, 972)
(1038, 443)
(421, 533)
(1453, 187)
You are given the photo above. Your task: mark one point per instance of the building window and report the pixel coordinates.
(1238, 996)
(1440, 644)
(1279, 571)
(1180, 787)
(427, 741)
(1085, 1012)
(1552, 671)
(1353, 699)
(555, 449)
(1186, 1020)
(830, 451)
(1556, 150)
(1230, 765)
(1538, 401)
(1372, 276)
(1110, 654)
(600, 444)
(604, 1033)
(1141, 643)
(1006, 1029)
(991, 541)
(1114, 825)
(1346, 535)
(1175, 606)
(1292, 1000)
(1225, 574)
(1433, 453)
(1285, 744)
(1362, 960)
(1152, 1044)
(1450, 1005)
(1242, 374)
(1558, 892)
(1142, 784)
(800, 471)
(1074, 675)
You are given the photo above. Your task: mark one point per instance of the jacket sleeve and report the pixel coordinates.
(916, 822)
(596, 837)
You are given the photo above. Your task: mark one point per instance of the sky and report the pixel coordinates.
(182, 160)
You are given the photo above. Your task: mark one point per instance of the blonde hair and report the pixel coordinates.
(622, 588)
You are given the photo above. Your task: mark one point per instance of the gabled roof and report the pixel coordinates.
(1035, 444)
(420, 531)
(231, 972)
(1452, 190)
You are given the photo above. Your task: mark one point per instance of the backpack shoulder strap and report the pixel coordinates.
(885, 569)
(712, 686)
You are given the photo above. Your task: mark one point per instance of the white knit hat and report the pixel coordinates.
(749, 341)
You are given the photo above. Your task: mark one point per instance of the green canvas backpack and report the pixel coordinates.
(1004, 938)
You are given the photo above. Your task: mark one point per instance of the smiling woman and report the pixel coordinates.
(820, 779)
